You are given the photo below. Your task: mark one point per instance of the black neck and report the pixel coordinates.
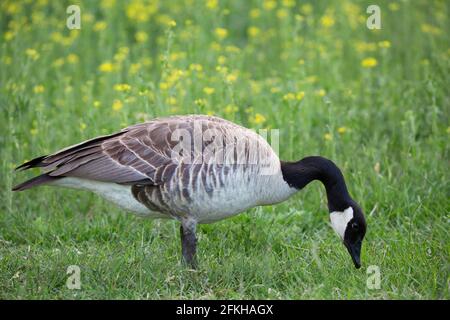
(299, 174)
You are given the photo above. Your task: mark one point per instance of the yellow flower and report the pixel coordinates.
(232, 77)
(208, 90)
(258, 118)
(231, 108)
(8, 36)
(106, 67)
(342, 130)
(58, 62)
(134, 68)
(253, 32)
(306, 9)
(393, 6)
(320, 92)
(117, 105)
(200, 102)
(300, 95)
(328, 137)
(122, 87)
(384, 44)
(82, 126)
(100, 26)
(141, 36)
(269, 5)
(254, 13)
(32, 53)
(282, 13)
(289, 3)
(164, 85)
(72, 58)
(327, 21)
(428, 28)
(212, 4)
(369, 62)
(221, 60)
(221, 33)
(195, 67)
(97, 104)
(34, 131)
(39, 89)
(289, 96)
(171, 100)
(172, 23)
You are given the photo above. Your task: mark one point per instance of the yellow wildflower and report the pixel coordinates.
(221, 33)
(39, 89)
(100, 26)
(300, 95)
(369, 62)
(306, 9)
(106, 67)
(72, 58)
(328, 137)
(289, 96)
(327, 21)
(122, 87)
(32, 53)
(384, 44)
(58, 62)
(141, 36)
(208, 90)
(231, 108)
(320, 92)
(134, 68)
(34, 131)
(253, 32)
(282, 13)
(171, 100)
(254, 13)
(393, 6)
(269, 5)
(212, 4)
(117, 105)
(82, 126)
(342, 130)
(232, 77)
(258, 118)
(289, 3)
(8, 36)
(97, 104)
(164, 85)
(195, 67)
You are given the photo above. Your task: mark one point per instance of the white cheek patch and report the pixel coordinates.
(339, 220)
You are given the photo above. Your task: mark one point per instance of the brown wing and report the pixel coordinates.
(138, 154)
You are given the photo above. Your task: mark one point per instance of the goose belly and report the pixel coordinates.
(120, 195)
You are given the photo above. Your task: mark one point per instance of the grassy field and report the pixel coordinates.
(375, 101)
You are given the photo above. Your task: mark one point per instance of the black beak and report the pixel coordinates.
(355, 252)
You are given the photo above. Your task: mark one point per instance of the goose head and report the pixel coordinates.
(350, 226)
(347, 218)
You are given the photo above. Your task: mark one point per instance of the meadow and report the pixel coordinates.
(375, 101)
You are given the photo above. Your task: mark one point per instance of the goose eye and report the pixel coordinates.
(355, 226)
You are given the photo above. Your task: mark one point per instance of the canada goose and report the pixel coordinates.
(195, 169)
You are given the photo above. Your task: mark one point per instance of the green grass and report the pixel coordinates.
(386, 126)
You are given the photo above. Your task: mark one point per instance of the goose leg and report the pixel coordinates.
(189, 242)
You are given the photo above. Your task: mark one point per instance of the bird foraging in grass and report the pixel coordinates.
(195, 169)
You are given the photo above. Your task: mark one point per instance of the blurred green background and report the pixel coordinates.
(374, 101)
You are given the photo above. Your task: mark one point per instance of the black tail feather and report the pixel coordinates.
(36, 162)
(42, 179)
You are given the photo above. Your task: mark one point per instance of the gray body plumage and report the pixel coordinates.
(220, 170)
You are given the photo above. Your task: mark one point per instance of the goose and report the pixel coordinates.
(195, 169)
